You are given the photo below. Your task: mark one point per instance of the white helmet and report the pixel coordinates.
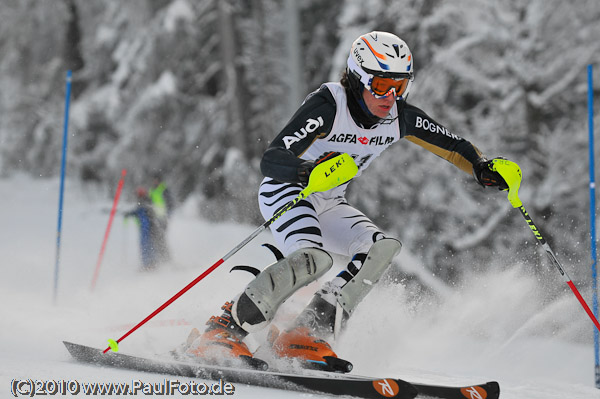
(382, 62)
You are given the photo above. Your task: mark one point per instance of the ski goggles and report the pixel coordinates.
(382, 87)
(379, 86)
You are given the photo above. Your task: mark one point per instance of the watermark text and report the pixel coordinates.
(168, 387)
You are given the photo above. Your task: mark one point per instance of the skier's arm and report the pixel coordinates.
(134, 213)
(417, 127)
(313, 120)
(130, 214)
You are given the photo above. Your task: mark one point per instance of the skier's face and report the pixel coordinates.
(379, 107)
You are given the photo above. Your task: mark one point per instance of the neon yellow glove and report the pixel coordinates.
(331, 173)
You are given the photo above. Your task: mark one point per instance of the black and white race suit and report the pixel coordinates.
(325, 123)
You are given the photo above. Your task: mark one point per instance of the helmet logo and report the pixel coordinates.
(375, 53)
(378, 56)
(358, 56)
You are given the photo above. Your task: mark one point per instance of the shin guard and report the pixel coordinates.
(378, 259)
(259, 302)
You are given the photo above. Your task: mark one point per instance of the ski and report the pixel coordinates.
(323, 383)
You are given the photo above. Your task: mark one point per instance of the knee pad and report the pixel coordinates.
(259, 302)
(378, 259)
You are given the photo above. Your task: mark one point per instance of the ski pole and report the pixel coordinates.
(325, 176)
(511, 173)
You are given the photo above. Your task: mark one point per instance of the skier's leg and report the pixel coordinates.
(162, 247)
(349, 231)
(257, 305)
(297, 228)
(147, 245)
(297, 232)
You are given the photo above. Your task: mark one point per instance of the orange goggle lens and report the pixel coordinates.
(382, 86)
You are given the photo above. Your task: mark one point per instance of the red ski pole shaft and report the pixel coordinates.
(256, 232)
(325, 176)
(107, 232)
(556, 263)
(511, 173)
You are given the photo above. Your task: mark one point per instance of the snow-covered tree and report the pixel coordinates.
(196, 89)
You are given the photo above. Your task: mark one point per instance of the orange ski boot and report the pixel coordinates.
(312, 352)
(222, 343)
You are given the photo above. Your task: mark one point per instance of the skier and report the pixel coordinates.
(147, 221)
(362, 115)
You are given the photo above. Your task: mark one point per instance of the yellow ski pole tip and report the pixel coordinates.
(113, 345)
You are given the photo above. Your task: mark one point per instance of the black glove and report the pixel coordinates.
(482, 170)
(306, 167)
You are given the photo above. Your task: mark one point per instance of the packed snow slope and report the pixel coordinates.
(492, 327)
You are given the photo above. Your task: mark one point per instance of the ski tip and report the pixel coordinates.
(493, 389)
(69, 345)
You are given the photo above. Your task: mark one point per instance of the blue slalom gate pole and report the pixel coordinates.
(593, 219)
(62, 181)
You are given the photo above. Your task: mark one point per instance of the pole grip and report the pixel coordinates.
(511, 173)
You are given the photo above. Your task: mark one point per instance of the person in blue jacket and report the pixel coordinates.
(148, 223)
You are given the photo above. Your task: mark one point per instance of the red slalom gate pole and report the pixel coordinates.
(107, 232)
